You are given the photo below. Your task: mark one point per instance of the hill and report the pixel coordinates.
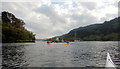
(107, 31)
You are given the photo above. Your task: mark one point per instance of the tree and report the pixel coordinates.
(13, 30)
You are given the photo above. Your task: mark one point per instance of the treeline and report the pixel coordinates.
(13, 29)
(107, 31)
(109, 37)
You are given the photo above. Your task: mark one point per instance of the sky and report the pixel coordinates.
(49, 18)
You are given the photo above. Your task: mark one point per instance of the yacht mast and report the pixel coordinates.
(75, 35)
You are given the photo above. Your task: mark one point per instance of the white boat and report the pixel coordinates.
(109, 62)
(57, 39)
(75, 37)
(62, 40)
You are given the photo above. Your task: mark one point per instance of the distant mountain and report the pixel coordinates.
(41, 39)
(107, 31)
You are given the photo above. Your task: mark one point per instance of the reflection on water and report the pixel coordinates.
(0, 55)
(14, 56)
(41, 54)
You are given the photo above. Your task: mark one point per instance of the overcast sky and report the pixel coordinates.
(48, 18)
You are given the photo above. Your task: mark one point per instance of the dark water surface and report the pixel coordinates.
(41, 54)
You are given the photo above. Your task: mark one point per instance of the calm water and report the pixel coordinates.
(41, 54)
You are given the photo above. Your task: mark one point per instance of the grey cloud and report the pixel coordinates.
(51, 13)
(103, 19)
(16, 8)
(111, 15)
(119, 8)
(89, 5)
(108, 16)
(84, 19)
(116, 4)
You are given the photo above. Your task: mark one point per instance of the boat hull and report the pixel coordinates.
(67, 43)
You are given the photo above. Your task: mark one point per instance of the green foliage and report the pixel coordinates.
(13, 30)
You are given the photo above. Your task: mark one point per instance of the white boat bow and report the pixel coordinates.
(109, 62)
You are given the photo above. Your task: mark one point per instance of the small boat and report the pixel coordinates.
(57, 39)
(67, 43)
(109, 62)
(48, 42)
(62, 40)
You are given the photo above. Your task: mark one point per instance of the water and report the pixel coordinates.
(41, 54)
(0, 55)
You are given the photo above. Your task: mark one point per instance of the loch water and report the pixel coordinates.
(41, 54)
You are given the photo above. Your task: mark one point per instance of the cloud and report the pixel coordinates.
(51, 13)
(84, 19)
(52, 18)
(89, 5)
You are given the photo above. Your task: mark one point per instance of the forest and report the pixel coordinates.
(13, 29)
